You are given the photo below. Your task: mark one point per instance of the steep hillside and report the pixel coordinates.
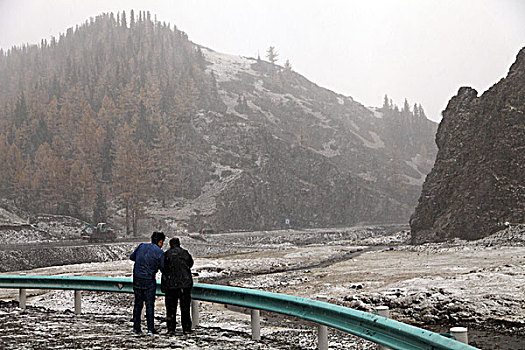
(130, 119)
(478, 181)
(295, 150)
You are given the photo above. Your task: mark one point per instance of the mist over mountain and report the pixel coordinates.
(477, 185)
(123, 118)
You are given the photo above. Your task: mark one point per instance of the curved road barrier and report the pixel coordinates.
(378, 329)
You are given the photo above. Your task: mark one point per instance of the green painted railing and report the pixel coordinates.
(381, 330)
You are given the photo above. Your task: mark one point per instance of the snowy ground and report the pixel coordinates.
(436, 286)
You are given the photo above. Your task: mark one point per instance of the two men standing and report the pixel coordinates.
(176, 282)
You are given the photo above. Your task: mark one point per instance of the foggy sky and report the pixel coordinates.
(415, 49)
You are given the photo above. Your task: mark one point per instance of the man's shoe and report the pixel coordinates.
(170, 333)
(187, 332)
(152, 333)
(136, 332)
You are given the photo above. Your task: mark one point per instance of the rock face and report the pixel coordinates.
(478, 180)
(282, 147)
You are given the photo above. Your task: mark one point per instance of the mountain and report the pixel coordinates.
(129, 119)
(477, 185)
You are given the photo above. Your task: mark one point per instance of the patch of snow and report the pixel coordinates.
(375, 144)
(206, 203)
(378, 143)
(227, 67)
(415, 163)
(258, 84)
(367, 177)
(327, 150)
(354, 125)
(8, 218)
(324, 120)
(375, 112)
(272, 118)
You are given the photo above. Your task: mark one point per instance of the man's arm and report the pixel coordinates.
(134, 254)
(161, 261)
(190, 260)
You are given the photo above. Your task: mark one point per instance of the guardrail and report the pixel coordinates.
(378, 329)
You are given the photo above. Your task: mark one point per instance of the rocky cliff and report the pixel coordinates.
(478, 180)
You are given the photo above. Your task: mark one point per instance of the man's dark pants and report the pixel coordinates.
(172, 298)
(144, 291)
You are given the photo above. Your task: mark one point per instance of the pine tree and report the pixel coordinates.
(287, 66)
(272, 54)
(14, 170)
(415, 111)
(123, 19)
(43, 176)
(132, 19)
(164, 165)
(4, 170)
(21, 115)
(100, 208)
(386, 103)
(131, 170)
(406, 107)
(422, 112)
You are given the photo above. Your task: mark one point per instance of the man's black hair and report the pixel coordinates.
(156, 237)
(174, 242)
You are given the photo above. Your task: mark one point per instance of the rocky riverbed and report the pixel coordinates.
(475, 284)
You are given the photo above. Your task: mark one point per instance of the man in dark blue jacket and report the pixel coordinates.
(148, 258)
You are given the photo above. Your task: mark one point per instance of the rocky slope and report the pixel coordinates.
(283, 147)
(478, 181)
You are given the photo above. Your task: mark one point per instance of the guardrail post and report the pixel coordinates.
(78, 302)
(194, 314)
(22, 298)
(460, 334)
(385, 312)
(256, 324)
(322, 337)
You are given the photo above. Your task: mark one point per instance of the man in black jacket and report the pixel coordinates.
(176, 283)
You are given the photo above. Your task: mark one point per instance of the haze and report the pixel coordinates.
(419, 50)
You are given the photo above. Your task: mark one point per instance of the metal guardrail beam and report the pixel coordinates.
(99, 284)
(378, 329)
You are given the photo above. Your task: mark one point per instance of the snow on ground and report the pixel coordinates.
(9, 218)
(61, 227)
(329, 149)
(40, 328)
(375, 112)
(375, 144)
(475, 284)
(227, 67)
(23, 234)
(47, 228)
(417, 162)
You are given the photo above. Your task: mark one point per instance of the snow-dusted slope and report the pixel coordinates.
(294, 149)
